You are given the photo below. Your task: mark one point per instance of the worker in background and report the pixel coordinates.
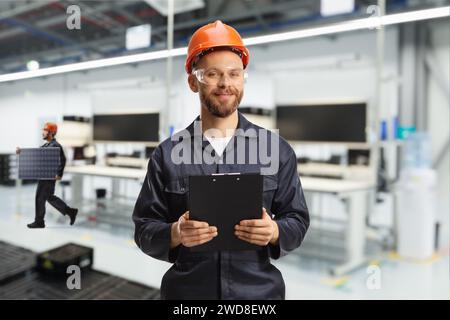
(215, 65)
(46, 188)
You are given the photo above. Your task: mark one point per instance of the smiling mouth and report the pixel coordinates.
(223, 95)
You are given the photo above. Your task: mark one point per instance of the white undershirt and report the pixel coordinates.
(219, 144)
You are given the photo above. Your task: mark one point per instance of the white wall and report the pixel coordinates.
(24, 108)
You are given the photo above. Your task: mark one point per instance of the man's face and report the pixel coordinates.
(223, 96)
(44, 134)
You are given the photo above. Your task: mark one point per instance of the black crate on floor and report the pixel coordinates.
(56, 261)
(121, 289)
(14, 261)
(95, 285)
(36, 285)
(22, 280)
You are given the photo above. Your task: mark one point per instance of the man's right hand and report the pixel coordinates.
(17, 150)
(191, 233)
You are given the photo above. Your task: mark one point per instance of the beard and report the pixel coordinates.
(218, 109)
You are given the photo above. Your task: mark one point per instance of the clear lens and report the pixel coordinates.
(212, 76)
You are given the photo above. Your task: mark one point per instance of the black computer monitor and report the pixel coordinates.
(323, 122)
(78, 153)
(136, 127)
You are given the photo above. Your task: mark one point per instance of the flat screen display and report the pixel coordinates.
(138, 127)
(323, 123)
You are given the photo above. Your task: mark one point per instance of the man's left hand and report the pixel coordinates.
(258, 231)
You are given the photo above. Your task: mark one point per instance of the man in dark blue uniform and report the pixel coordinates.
(46, 188)
(215, 64)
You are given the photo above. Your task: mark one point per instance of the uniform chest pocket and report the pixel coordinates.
(270, 186)
(177, 195)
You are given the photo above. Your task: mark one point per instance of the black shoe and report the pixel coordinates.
(36, 225)
(73, 216)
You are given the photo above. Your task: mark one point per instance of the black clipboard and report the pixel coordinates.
(223, 200)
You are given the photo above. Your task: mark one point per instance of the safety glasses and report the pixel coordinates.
(213, 76)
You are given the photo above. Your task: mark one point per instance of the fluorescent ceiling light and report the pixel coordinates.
(94, 64)
(351, 25)
(416, 15)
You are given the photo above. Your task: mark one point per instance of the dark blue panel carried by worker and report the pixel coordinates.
(39, 163)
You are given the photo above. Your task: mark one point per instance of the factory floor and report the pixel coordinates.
(305, 278)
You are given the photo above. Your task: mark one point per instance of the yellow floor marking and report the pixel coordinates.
(335, 282)
(435, 257)
(86, 237)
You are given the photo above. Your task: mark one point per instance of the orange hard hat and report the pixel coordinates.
(213, 35)
(51, 127)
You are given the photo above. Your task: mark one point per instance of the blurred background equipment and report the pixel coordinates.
(74, 131)
(416, 196)
(8, 169)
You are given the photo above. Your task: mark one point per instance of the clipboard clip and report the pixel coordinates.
(226, 174)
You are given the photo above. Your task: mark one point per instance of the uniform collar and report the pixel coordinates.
(243, 125)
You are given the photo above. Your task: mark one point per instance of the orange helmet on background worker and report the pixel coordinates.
(51, 127)
(212, 36)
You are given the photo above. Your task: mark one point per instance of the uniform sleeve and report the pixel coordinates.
(289, 208)
(62, 162)
(150, 216)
